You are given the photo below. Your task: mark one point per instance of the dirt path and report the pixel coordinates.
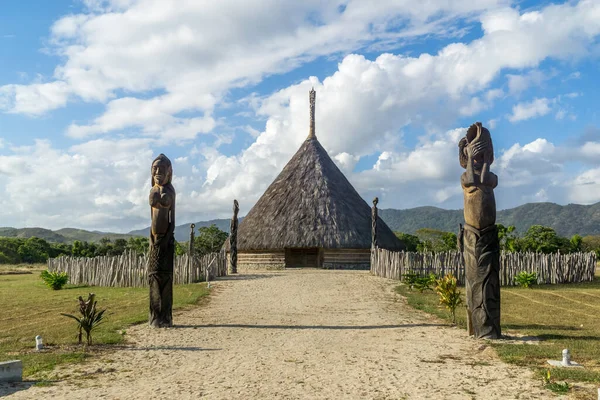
(297, 334)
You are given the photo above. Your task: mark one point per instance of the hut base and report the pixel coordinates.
(359, 259)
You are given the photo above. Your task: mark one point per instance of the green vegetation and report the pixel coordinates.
(54, 280)
(15, 250)
(566, 220)
(557, 387)
(30, 309)
(526, 279)
(210, 239)
(537, 238)
(90, 318)
(561, 316)
(419, 282)
(36, 250)
(447, 290)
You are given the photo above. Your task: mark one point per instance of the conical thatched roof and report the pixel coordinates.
(312, 204)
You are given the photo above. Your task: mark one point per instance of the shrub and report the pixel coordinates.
(55, 280)
(526, 279)
(89, 319)
(447, 289)
(421, 283)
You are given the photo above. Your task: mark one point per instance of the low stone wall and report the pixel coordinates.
(275, 260)
(347, 259)
(249, 261)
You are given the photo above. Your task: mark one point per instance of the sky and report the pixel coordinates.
(91, 91)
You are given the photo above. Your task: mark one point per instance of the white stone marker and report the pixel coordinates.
(566, 361)
(38, 343)
(11, 371)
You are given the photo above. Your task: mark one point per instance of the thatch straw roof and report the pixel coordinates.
(312, 204)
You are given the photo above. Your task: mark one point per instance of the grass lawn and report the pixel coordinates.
(562, 316)
(29, 308)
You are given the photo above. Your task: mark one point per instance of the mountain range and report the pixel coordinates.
(566, 220)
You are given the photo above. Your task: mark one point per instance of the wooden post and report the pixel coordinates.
(191, 249)
(374, 224)
(233, 237)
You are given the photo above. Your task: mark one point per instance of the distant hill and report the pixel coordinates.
(46, 234)
(566, 220)
(72, 234)
(182, 232)
(65, 235)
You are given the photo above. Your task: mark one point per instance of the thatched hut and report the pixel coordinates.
(310, 216)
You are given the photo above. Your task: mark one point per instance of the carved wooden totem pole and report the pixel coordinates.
(374, 223)
(478, 238)
(162, 243)
(233, 237)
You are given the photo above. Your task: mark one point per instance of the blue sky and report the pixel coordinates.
(91, 91)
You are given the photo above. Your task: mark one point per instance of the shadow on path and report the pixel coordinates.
(243, 277)
(300, 327)
(169, 348)
(542, 327)
(7, 388)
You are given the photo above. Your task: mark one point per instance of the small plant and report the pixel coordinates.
(447, 289)
(526, 279)
(90, 318)
(410, 278)
(421, 283)
(556, 387)
(54, 280)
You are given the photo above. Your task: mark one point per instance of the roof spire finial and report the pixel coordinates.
(312, 96)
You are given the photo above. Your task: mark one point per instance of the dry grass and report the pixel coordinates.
(29, 308)
(561, 316)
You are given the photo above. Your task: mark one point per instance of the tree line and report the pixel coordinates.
(36, 250)
(538, 238)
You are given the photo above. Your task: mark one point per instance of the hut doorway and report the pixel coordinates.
(303, 258)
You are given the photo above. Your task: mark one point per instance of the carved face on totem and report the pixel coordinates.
(162, 171)
(478, 142)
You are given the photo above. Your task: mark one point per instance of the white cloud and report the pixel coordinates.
(528, 110)
(192, 49)
(520, 83)
(34, 99)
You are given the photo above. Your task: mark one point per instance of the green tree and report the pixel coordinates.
(83, 249)
(180, 248)
(410, 241)
(576, 243)
(209, 240)
(591, 243)
(9, 247)
(543, 239)
(59, 249)
(118, 247)
(435, 240)
(508, 238)
(34, 250)
(138, 244)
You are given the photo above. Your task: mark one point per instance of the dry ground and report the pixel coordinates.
(296, 334)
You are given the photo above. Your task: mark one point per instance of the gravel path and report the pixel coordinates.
(297, 334)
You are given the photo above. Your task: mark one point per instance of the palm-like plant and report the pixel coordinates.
(55, 280)
(447, 289)
(90, 318)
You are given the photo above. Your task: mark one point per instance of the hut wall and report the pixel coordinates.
(260, 260)
(346, 258)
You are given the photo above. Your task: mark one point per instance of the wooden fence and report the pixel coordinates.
(550, 268)
(129, 269)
